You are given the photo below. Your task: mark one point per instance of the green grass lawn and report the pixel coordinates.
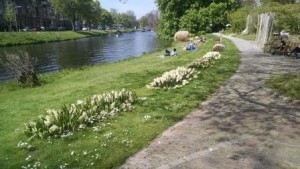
(21, 38)
(118, 137)
(288, 85)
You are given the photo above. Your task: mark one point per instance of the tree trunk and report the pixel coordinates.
(73, 24)
(10, 27)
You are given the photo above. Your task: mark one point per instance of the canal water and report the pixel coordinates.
(87, 51)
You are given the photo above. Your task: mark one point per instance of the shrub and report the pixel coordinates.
(83, 113)
(21, 66)
(238, 19)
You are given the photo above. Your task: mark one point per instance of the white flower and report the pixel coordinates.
(82, 126)
(80, 102)
(147, 117)
(53, 128)
(212, 55)
(172, 78)
(22, 144)
(28, 158)
(83, 116)
(96, 128)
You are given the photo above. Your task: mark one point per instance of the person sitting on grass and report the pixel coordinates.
(173, 52)
(169, 53)
(190, 46)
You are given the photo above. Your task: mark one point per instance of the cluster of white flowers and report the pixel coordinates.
(36, 165)
(173, 79)
(218, 47)
(181, 76)
(63, 166)
(205, 61)
(212, 55)
(83, 113)
(200, 63)
(22, 144)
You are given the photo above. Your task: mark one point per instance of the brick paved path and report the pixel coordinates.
(244, 125)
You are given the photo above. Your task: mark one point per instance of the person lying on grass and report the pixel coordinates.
(169, 53)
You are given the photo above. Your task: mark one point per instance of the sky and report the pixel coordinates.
(139, 7)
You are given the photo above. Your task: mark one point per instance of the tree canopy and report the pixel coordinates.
(74, 9)
(181, 14)
(150, 20)
(9, 13)
(287, 16)
(202, 16)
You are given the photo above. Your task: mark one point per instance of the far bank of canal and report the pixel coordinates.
(87, 51)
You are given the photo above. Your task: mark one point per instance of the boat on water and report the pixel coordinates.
(119, 33)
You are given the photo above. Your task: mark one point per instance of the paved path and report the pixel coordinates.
(244, 125)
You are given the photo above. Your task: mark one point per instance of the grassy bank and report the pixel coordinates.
(287, 85)
(116, 138)
(21, 38)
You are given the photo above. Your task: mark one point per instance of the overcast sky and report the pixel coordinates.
(139, 7)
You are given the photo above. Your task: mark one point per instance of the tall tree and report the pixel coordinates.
(172, 10)
(93, 16)
(127, 19)
(143, 22)
(9, 13)
(73, 9)
(150, 20)
(106, 18)
(115, 15)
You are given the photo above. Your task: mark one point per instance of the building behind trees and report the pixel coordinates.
(33, 14)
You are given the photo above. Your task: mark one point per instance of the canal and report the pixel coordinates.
(76, 53)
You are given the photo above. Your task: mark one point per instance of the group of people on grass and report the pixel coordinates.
(189, 46)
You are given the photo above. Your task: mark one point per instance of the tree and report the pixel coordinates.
(9, 14)
(73, 9)
(287, 16)
(115, 15)
(151, 20)
(196, 21)
(93, 17)
(127, 19)
(237, 19)
(218, 14)
(106, 18)
(172, 11)
(143, 21)
(212, 18)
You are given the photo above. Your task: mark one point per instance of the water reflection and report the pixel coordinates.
(76, 53)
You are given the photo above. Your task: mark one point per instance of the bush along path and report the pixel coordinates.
(243, 125)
